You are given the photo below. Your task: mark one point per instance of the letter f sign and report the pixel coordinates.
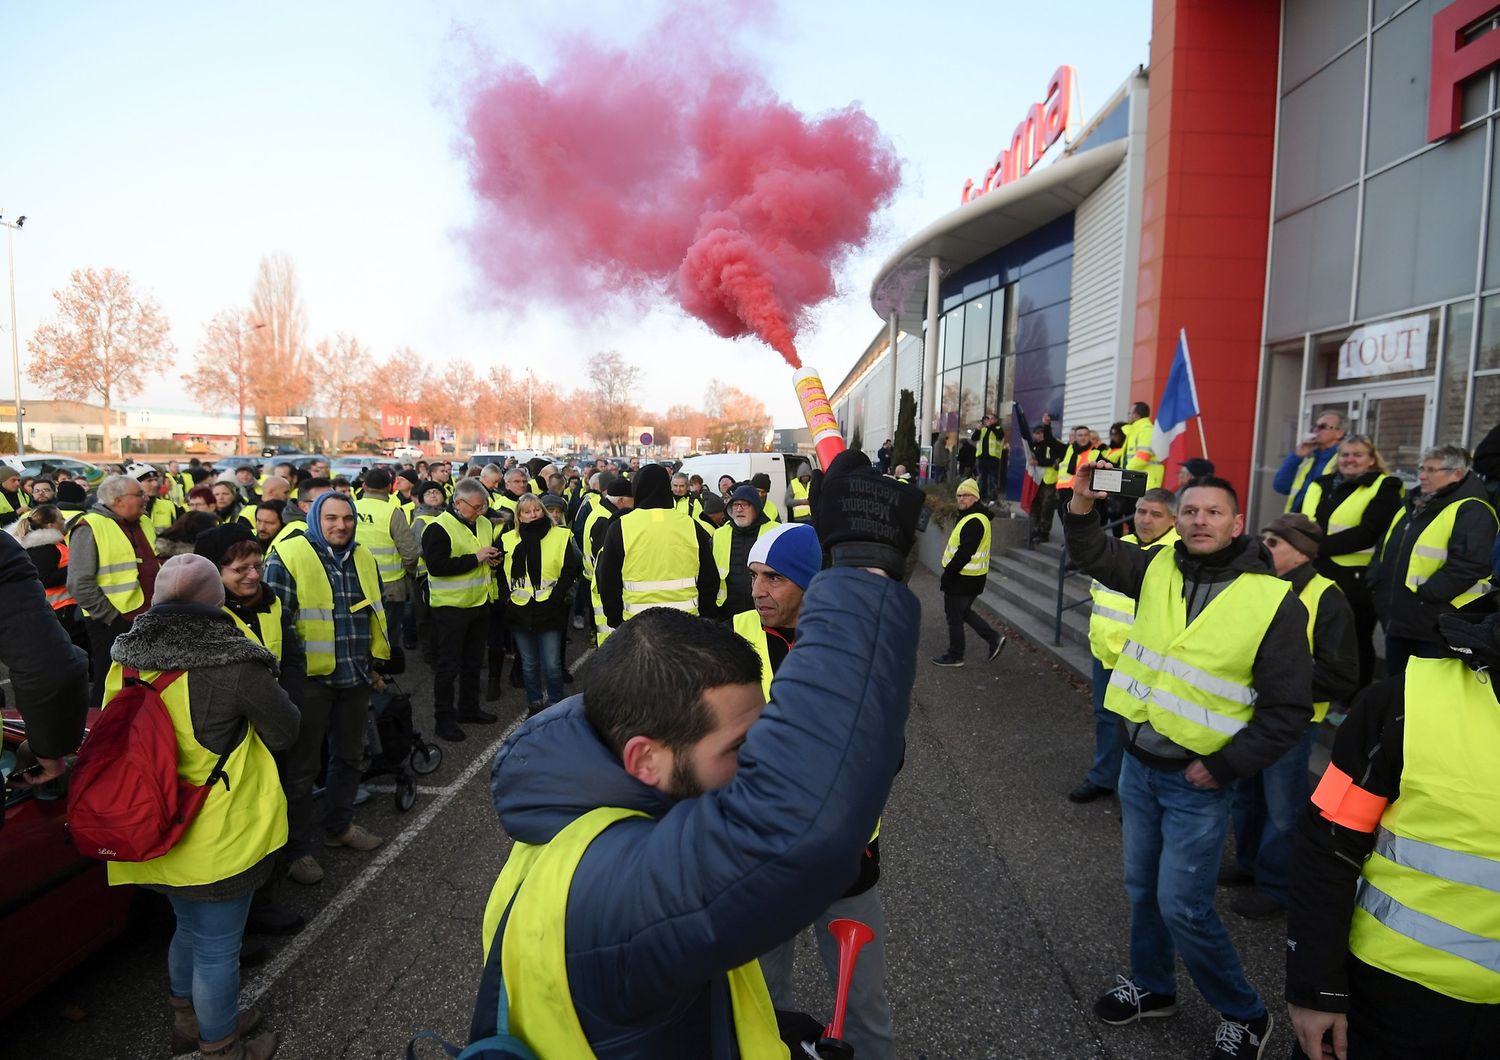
(1454, 62)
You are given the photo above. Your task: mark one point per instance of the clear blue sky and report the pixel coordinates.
(181, 141)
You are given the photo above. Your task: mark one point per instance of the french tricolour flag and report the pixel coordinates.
(1179, 401)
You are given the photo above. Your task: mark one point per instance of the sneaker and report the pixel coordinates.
(1256, 905)
(477, 716)
(447, 729)
(306, 871)
(1088, 791)
(1242, 1039)
(355, 838)
(996, 648)
(947, 659)
(1127, 1003)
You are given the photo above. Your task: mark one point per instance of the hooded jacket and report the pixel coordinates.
(737, 582)
(651, 488)
(49, 675)
(661, 907)
(1282, 670)
(42, 547)
(1414, 615)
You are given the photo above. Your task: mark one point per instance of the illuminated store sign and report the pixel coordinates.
(1455, 59)
(1045, 123)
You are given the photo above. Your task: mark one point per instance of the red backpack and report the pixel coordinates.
(125, 799)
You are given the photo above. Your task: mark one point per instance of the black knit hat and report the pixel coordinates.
(620, 487)
(712, 505)
(761, 481)
(212, 544)
(423, 487)
(410, 475)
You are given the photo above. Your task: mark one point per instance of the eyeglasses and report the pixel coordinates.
(1325, 426)
(253, 568)
(1426, 469)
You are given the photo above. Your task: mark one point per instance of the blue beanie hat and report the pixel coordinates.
(750, 495)
(791, 550)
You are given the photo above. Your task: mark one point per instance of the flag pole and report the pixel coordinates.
(1187, 360)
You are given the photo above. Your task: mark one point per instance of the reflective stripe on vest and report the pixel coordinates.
(533, 951)
(315, 608)
(1349, 514)
(1192, 681)
(1430, 551)
(554, 546)
(118, 573)
(747, 625)
(801, 506)
(1429, 897)
(1310, 596)
(59, 597)
(991, 442)
(374, 532)
(417, 523)
(241, 821)
(979, 563)
(267, 629)
(660, 568)
(475, 587)
(1139, 455)
(1114, 613)
(723, 538)
(1064, 476)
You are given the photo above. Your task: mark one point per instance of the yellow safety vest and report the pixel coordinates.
(1349, 514)
(374, 532)
(1140, 457)
(1310, 595)
(118, 576)
(267, 629)
(686, 504)
(1430, 551)
(660, 568)
(597, 512)
(1115, 456)
(773, 513)
(747, 624)
(417, 523)
(979, 563)
(801, 506)
(1427, 907)
(1064, 476)
(502, 501)
(314, 619)
(991, 442)
(1192, 681)
(554, 552)
(723, 542)
(1114, 613)
(162, 513)
(533, 953)
(1303, 470)
(288, 530)
(241, 821)
(472, 588)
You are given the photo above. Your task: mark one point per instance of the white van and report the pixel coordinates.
(499, 456)
(782, 467)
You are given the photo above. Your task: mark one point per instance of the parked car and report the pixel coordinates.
(408, 454)
(45, 465)
(56, 906)
(229, 463)
(351, 467)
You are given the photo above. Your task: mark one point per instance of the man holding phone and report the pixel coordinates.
(1214, 683)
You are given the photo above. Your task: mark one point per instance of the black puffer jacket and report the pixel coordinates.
(48, 673)
(1368, 534)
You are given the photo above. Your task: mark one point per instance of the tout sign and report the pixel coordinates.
(1045, 123)
(1385, 349)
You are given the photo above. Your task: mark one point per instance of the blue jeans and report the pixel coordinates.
(541, 655)
(203, 961)
(1174, 832)
(1265, 817)
(1105, 772)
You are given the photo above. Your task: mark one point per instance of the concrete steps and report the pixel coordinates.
(1022, 591)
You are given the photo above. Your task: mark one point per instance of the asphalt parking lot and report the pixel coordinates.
(1005, 908)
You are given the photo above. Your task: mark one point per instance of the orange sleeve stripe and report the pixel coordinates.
(1346, 803)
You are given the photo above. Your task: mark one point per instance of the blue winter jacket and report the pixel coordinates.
(661, 908)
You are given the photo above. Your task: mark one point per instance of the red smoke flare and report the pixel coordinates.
(624, 175)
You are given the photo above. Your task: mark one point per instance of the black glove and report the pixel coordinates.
(864, 519)
(794, 1028)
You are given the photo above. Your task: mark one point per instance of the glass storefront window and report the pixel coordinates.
(971, 396)
(995, 394)
(1330, 357)
(977, 330)
(953, 339)
(1488, 355)
(1454, 393)
(949, 404)
(1486, 407)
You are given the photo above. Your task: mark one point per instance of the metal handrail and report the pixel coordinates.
(1062, 575)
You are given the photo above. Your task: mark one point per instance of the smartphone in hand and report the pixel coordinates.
(1114, 480)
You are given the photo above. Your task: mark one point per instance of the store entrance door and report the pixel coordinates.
(1396, 418)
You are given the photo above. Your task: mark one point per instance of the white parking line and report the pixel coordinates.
(257, 988)
(390, 789)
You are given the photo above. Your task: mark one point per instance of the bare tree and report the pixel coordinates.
(614, 380)
(223, 365)
(735, 418)
(402, 377)
(344, 386)
(281, 375)
(104, 344)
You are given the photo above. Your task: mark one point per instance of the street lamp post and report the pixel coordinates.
(15, 347)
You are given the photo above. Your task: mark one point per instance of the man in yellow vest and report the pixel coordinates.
(1080, 447)
(112, 568)
(615, 499)
(1435, 558)
(383, 529)
(1266, 805)
(331, 583)
(989, 447)
(732, 543)
(655, 556)
(1393, 928)
(161, 512)
(1046, 454)
(13, 499)
(462, 554)
(628, 807)
(1214, 683)
(1139, 455)
(682, 500)
(1312, 458)
(801, 494)
(1109, 627)
(966, 566)
(762, 483)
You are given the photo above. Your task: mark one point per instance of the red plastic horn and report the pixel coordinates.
(852, 936)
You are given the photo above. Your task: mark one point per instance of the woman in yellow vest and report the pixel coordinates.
(256, 611)
(225, 702)
(966, 565)
(41, 533)
(1354, 505)
(541, 565)
(1393, 932)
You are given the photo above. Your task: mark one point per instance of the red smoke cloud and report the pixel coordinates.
(622, 173)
